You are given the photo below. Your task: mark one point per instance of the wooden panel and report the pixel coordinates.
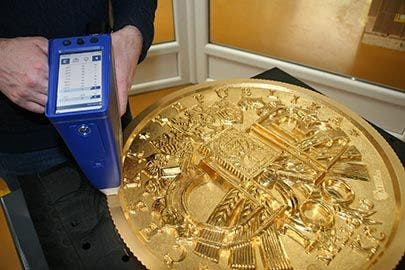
(391, 6)
(385, 24)
(324, 34)
(385, 18)
(375, 7)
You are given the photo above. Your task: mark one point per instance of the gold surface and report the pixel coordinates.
(4, 190)
(324, 34)
(8, 255)
(257, 174)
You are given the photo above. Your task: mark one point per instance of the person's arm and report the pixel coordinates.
(138, 13)
(131, 39)
(24, 71)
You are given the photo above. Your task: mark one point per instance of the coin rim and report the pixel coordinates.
(394, 249)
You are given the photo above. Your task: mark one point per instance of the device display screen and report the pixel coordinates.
(79, 82)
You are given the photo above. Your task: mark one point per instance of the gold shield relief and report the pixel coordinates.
(251, 174)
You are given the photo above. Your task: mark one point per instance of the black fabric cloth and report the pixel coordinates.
(73, 222)
(24, 131)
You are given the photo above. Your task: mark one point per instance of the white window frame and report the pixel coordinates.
(198, 60)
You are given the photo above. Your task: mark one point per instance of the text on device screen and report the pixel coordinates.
(79, 82)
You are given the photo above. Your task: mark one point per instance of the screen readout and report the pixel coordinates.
(79, 82)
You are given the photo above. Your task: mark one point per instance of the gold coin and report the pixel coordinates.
(251, 174)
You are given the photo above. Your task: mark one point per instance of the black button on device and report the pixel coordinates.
(94, 40)
(80, 41)
(84, 130)
(67, 42)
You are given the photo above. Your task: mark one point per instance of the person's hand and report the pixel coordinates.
(127, 46)
(24, 71)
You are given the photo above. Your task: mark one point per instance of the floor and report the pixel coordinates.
(140, 102)
(325, 34)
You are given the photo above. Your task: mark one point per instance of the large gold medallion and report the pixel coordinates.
(258, 175)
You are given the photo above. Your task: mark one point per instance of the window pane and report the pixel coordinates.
(164, 24)
(324, 34)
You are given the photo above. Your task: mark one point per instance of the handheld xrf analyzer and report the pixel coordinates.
(82, 105)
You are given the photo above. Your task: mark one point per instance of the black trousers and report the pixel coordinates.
(73, 222)
(72, 219)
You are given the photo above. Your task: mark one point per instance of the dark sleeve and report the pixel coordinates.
(139, 13)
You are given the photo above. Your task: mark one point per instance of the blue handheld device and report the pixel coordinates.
(82, 105)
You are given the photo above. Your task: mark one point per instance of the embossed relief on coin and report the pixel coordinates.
(246, 177)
